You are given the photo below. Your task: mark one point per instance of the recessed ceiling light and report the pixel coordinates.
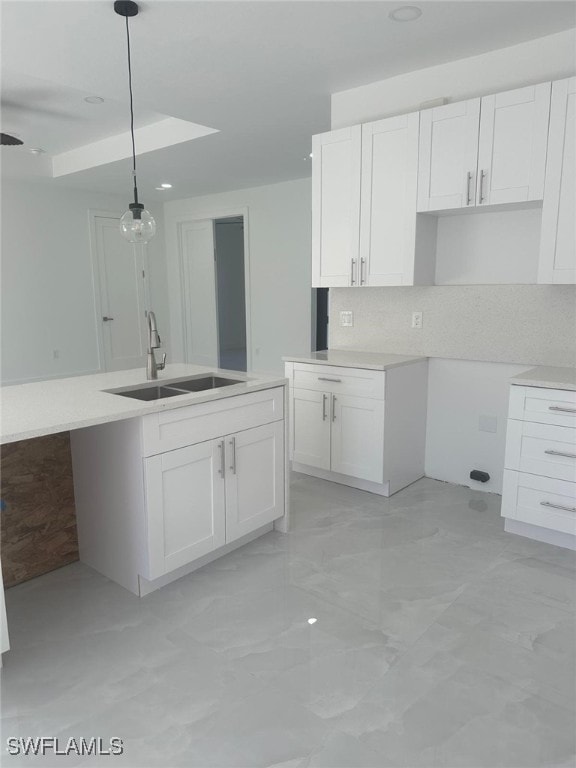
(405, 13)
(37, 151)
(312, 621)
(311, 154)
(94, 99)
(166, 186)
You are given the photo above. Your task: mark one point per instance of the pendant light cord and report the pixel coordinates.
(131, 111)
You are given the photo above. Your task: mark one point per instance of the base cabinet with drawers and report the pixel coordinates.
(359, 427)
(156, 494)
(539, 491)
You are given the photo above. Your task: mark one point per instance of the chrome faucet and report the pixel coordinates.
(154, 342)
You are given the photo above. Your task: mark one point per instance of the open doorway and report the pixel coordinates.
(230, 292)
(215, 291)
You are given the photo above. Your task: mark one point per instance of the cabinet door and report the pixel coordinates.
(512, 148)
(185, 505)
(388, 201)
(448, 156)
(310, 424)
(336, 207)
(254, 479)
(558, 242)
(358, 437)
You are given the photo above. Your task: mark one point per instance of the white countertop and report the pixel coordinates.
(547, 376)
(353, 358)
(58, 405)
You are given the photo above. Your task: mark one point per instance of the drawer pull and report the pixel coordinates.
(562, 410)
(327, 378)
(557, 506)
(561, 453)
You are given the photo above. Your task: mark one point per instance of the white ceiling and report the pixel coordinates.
(260, 72)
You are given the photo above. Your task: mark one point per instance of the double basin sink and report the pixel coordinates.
(174, 388)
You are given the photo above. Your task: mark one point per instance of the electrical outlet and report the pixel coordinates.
(346, 319)
(417, 321)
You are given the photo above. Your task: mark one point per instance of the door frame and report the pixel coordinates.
(93, 214)
(213, 214)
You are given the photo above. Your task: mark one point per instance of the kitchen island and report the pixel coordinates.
(162, 486)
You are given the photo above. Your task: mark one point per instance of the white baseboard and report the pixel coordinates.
(538, 533)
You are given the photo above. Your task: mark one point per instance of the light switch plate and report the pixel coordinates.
(346, 319)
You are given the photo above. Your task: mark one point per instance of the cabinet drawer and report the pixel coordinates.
(345, 381)
(539, 501)
(191, 424)
(541, 449)
(545, 406)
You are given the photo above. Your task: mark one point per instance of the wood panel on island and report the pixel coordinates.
(38, 512)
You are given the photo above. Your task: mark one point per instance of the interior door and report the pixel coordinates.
(358, 437)
(254, 479)
(448, 156)
(199, 293)
(336, 159)
(310, 420)
(185, 502)
(122, 274)
(558, 241)
(512, 148)
(388, 201)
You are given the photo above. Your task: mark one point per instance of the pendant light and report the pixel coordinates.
(137, 225)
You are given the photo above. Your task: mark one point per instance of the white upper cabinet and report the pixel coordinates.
(485, 151)
(388, 201)
(448, 156)
(512, 145)
(336, 207)
(558, 241)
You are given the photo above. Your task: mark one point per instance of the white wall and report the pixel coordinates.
(547, 58)
(511, 324)
(278, 222)
(47, 290)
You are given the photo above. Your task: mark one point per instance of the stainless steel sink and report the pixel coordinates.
(174, 388)
(150, 393)
(203, 382)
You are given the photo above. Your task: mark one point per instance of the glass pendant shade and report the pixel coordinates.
(137, 225)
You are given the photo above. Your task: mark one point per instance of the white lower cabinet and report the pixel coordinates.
(311, 427)
(185, 506)
(358, 437)
(539, 491)
(254, 479)
(203, 496)
(360, 427)
(160, 495)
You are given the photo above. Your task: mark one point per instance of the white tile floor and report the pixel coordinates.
(439, 641)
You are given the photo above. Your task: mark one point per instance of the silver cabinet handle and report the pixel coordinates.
(333, 407)
(222, 469)
(328, 378)
(558, 506)
(560, 453)
(482, 177)
(324, 398)
(468, 188)
(562, 410)
(107, 319)
(233, 446)
(352, 270)
(362, 271)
